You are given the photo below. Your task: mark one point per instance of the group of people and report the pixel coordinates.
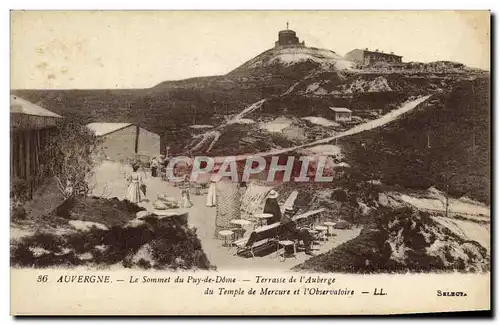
(136, 190)
(156, 164)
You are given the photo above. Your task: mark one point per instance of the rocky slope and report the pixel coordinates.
(400, 241)
(101, 233)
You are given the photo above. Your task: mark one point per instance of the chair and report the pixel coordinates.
(258, 240)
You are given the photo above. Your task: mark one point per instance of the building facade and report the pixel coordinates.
(342, 114)
(366, 57)
(288, 37)
(31, 126)
(121, 141)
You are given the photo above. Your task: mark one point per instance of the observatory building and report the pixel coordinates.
(288, 37)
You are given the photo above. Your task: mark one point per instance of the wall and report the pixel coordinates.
(120, 145)
(26, 148)
(341, 116)
(149, 143)
(369, 57)
(355, 56)
(372, 57)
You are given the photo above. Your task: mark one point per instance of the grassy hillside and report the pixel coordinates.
(446, 143)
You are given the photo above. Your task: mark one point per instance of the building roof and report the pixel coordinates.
(101, 129)
(340, 109)
(22, 106)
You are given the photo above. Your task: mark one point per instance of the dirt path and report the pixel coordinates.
(110, 178)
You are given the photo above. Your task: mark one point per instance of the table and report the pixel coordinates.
(263, 217)
(330, 225)
(226, 235)
(241, 223)
(321, 230)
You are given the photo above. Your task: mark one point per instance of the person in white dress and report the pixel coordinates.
(135, 181)
(212, 196)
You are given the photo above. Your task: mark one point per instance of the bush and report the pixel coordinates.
(173, 245)
(69, 157)
(18, 189)
(17, 212)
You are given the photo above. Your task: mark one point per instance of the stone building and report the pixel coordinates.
(367, 57)
(121, 141)
(288, 37)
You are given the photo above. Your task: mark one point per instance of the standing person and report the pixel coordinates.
(272, 207)
(212, 196)
(154, 164)
(135, 182)
(162, 167)
(185, 192)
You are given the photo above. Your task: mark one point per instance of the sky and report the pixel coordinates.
(139, 49)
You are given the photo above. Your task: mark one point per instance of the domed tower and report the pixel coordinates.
(287, 37)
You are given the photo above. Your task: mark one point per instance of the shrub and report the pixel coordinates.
(18, 189)
(69, 157)
(17, 212)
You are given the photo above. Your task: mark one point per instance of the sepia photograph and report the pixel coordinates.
(297, 147)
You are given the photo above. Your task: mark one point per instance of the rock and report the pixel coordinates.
(342, 224)
(143, 214)
(159, 205)
(135, 223)
(86, 225)
(364, 209)
(38, 251)
(179, 262)
(86, 256)
(383, 200)
(167, 198)
(144, 253)
(181, 219)
(100, 248)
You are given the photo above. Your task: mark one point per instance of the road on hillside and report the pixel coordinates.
(387, 118)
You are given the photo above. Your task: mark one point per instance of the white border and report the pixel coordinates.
(196, 5)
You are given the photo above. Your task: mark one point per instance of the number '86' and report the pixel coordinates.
(42, 278)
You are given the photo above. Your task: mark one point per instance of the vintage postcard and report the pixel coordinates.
(250, 162)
